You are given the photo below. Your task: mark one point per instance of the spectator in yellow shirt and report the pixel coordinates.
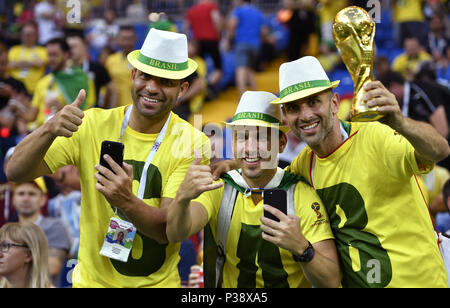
(408, 15)
(408, 62)
(118, 67)
(27, 61)
(61, 86)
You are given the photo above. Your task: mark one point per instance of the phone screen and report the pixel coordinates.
(277, 199)
(113, 149)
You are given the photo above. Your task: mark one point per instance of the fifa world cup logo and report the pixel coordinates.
(354, 34)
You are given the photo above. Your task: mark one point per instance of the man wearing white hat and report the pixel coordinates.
(365, 174)
(232, 210)
(158, 150)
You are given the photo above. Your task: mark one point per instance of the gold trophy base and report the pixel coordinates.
(368, 115)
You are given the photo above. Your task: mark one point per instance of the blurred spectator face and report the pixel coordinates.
(28, 199)
(77, 48)
(56, 57)
(398, 90)
(109, 16)
(412, 46)
(16, 259)
(381, 65)
(29, 35)
(126, 40)
(436, 24)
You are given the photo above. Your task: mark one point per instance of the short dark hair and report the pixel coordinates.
(61, 42)
(446, 193)
(127, 28)
(390, 77)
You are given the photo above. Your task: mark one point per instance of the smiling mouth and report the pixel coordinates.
(252, 160)
(149, 100)
(309, 127)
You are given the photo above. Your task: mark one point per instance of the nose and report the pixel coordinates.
(251, 145)
(152, 85)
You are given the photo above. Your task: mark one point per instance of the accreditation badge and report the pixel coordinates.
(119, 240)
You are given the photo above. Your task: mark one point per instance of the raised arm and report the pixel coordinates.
(184, 217)
(27, 162)
(430, 147)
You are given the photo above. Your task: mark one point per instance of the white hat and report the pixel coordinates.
(302, 78)
(255, 109)
(163, 54)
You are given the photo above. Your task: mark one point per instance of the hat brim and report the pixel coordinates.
(305, 93)
(154, 71)
(247, 122)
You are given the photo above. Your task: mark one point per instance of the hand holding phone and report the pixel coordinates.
(277, 199)
(113, 149)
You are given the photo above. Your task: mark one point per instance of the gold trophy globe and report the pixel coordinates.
(354, 34)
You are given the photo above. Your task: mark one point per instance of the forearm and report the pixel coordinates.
(322, 272)
(27, 161)
(429, 145)
(149, 220)
(179, 220)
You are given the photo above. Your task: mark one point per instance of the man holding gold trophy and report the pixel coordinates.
(366, 172)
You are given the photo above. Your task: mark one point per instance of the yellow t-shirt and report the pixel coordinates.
(408, 66)
(29, 76)
(384, 234)
(119, 69)
(408, 10)
(329, 8)
(46, 86)
(150, 264)
(253, 262)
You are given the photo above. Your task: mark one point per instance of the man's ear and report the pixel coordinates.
(183, 88)
(283, 142)
(335, 101)
(133, 73)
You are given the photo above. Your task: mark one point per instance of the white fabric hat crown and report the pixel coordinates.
(255, 109)
(163, 54)
(302, 78)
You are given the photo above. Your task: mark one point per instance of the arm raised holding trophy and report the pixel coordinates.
(354, 34)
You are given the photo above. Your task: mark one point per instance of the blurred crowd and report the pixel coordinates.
(49, 51)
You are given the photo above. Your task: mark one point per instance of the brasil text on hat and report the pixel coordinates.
(302, 78)
(163, 54)
(254, 109)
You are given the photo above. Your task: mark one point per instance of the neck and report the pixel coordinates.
(330, 143)
(29, 218)
(262, 180)
(19, 279)
(143, 124)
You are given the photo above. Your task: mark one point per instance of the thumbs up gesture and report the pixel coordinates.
(67, 120)
(198, 179)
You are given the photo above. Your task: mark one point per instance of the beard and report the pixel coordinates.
(325, 129)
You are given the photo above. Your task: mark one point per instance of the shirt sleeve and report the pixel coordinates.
(202, 144)
(395, 152)
(314, 219)
(211, 200)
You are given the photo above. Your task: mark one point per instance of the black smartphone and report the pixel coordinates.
(277, 199)
(113, 149)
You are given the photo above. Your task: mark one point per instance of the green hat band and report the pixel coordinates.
(161, 64)
(255, 116)
(304, 86)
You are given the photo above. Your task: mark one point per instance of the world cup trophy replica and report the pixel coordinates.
(354, 34)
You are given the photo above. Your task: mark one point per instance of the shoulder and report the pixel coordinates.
(182, 128)
(14, 50)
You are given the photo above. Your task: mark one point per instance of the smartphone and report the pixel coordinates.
(113, 149)
(277, 199)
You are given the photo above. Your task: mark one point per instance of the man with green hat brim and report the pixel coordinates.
(158, 150)
(366, 174)
(255, 251)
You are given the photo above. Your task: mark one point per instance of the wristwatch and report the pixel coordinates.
(307, 255)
